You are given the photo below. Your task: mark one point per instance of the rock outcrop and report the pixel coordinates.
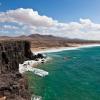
(13, 85)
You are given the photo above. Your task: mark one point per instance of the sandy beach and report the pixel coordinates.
(58, 49)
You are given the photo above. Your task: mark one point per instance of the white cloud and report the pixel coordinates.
(26, 16)
(28, 21)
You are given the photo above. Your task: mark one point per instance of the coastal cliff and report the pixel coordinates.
(13, 85)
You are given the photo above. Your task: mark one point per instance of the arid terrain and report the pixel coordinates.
(41, 42)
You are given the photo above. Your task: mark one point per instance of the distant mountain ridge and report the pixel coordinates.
(41, 36)
(42, 41)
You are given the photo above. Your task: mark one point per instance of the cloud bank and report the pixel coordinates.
(27, 21)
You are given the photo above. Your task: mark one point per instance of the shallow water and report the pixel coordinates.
(73, 75)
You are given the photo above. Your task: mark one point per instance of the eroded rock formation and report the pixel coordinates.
(13, 85)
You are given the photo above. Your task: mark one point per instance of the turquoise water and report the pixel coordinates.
(75, 78)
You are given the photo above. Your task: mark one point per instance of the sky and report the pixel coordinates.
(64, 18)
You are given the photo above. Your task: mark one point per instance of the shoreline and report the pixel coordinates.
(31, 65)
(50, 50)
(59, 49)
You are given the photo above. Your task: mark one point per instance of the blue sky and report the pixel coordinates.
(62, 10)
(66, 18)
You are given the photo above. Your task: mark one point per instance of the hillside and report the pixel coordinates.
(49, 41)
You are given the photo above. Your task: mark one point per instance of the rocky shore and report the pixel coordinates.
(13, 85)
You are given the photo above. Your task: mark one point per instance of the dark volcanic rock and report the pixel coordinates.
(13, 85)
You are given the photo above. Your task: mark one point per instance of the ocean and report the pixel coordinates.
(73, 75)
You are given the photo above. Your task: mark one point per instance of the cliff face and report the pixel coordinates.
(13, 85)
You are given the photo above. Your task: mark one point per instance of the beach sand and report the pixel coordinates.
(58, 49)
